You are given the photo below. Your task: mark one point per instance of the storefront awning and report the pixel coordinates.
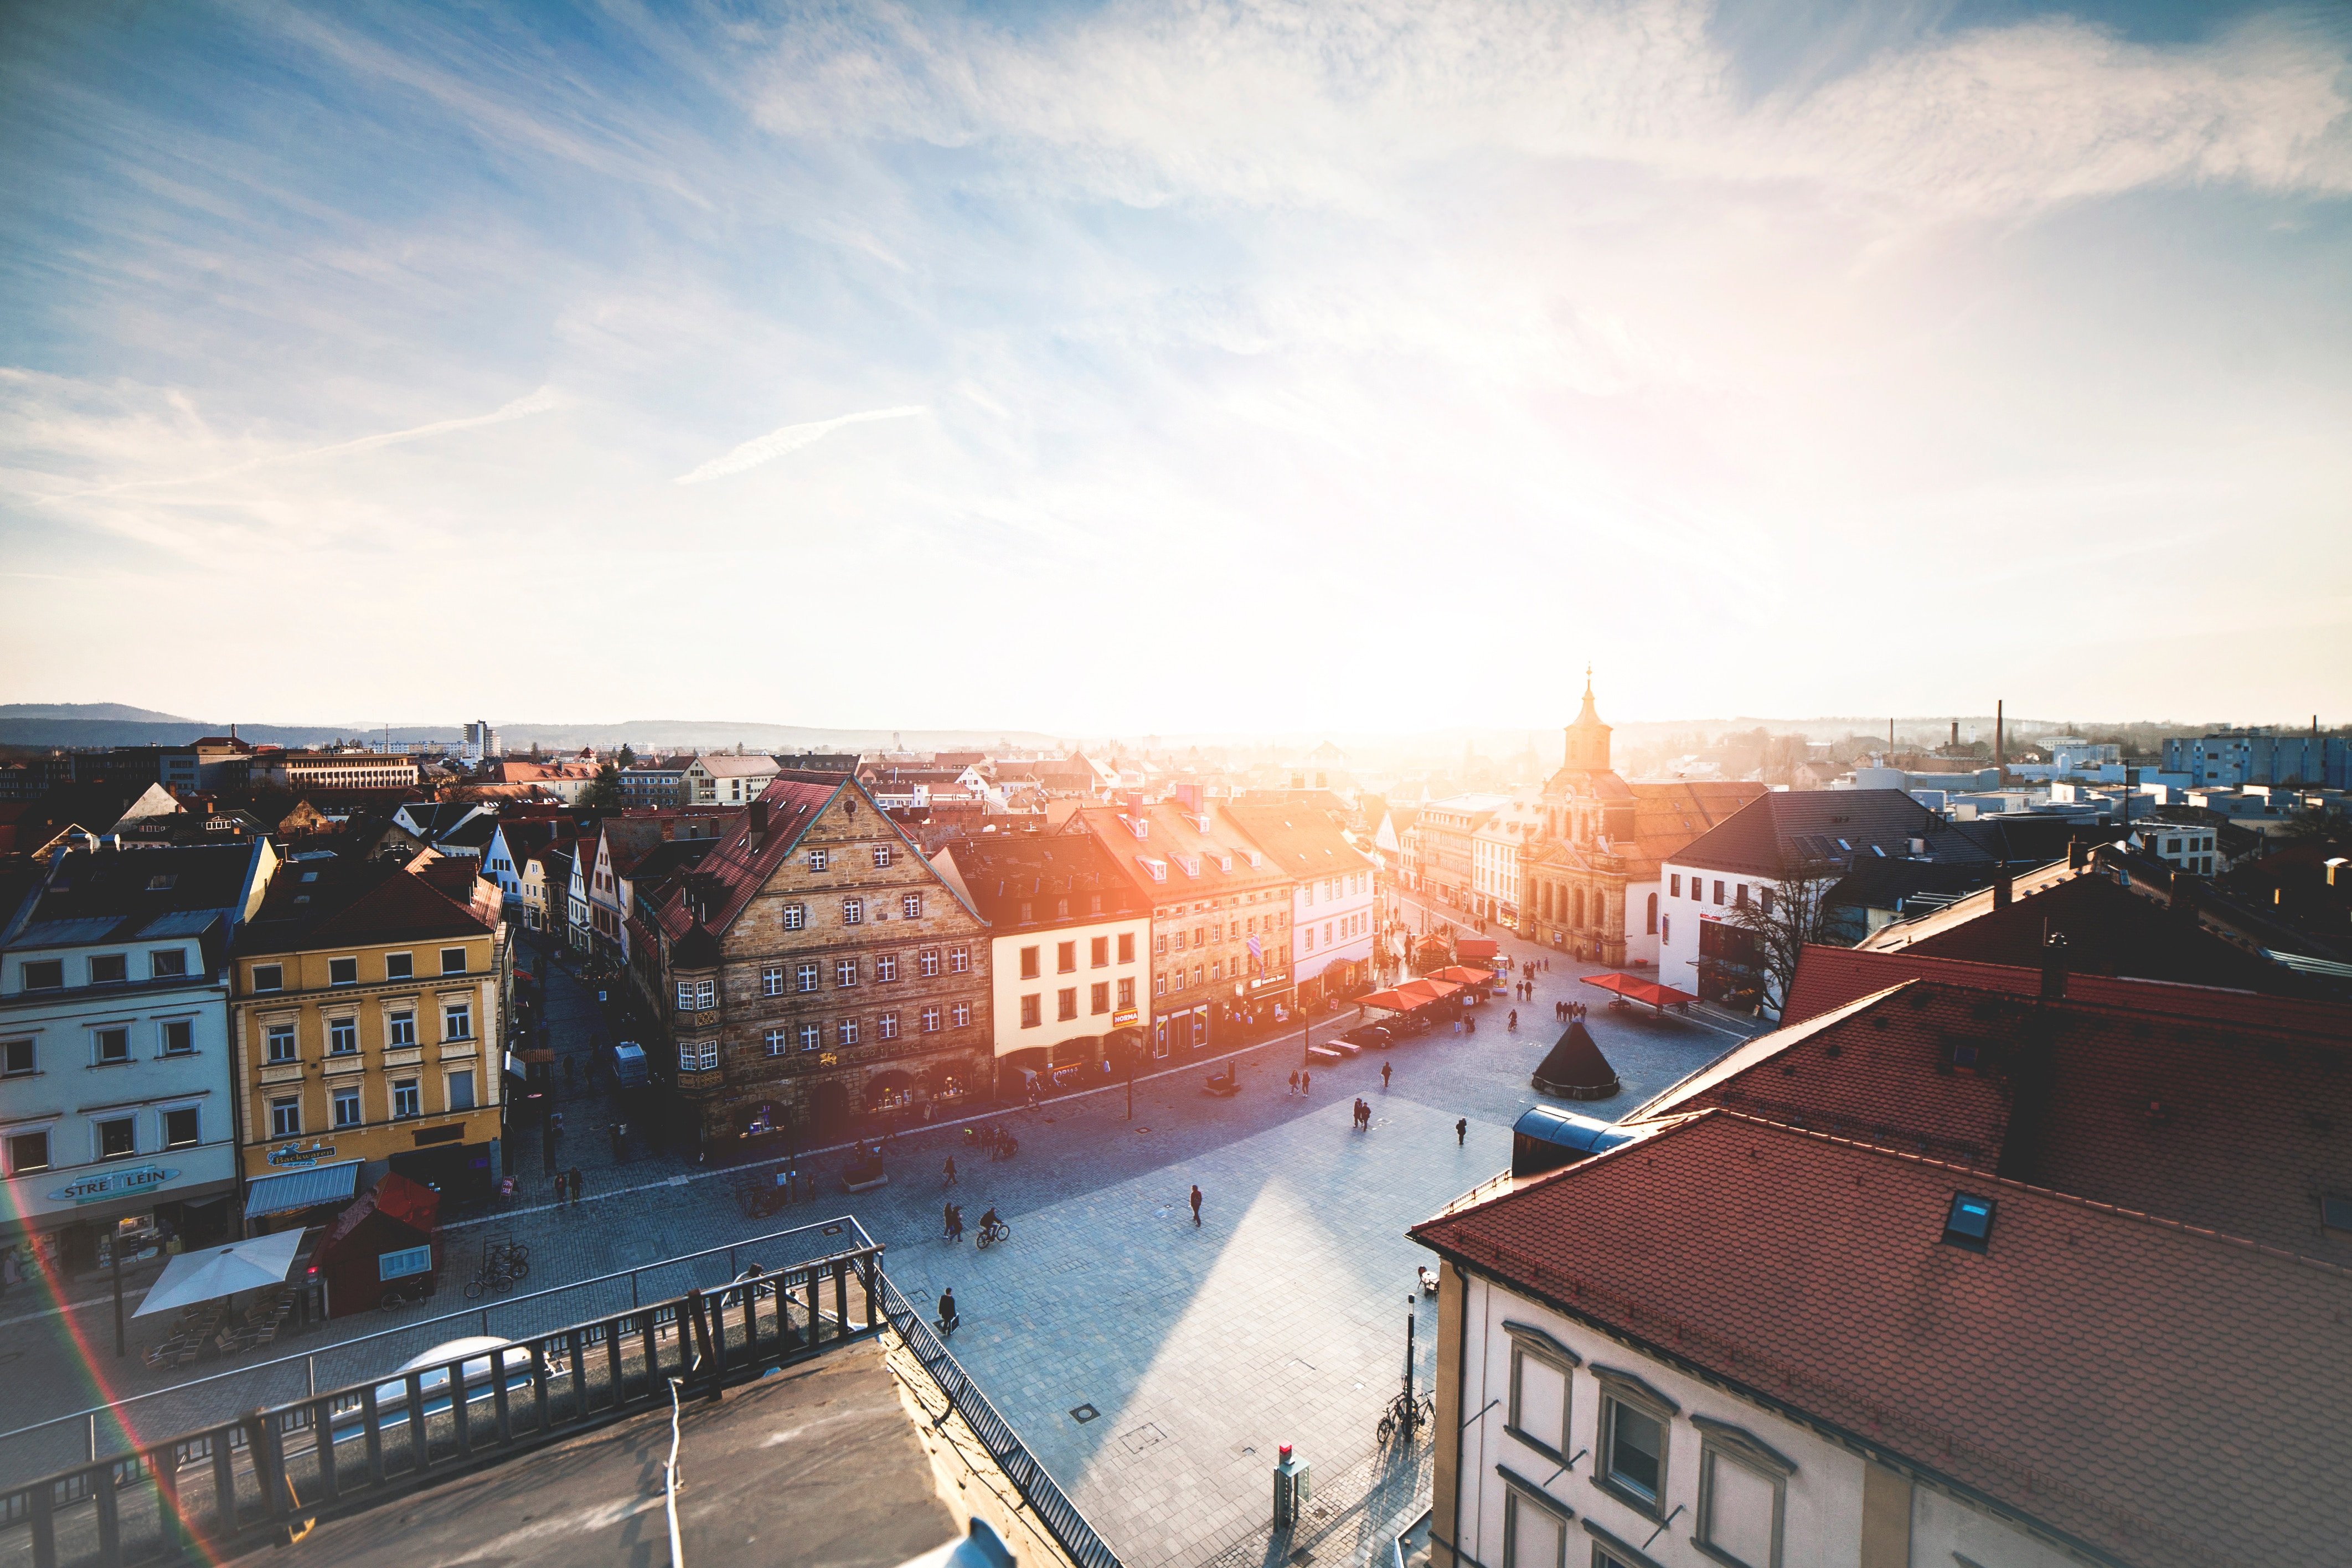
(302, 1189)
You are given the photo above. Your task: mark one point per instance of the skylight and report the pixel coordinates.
(1970, 1223)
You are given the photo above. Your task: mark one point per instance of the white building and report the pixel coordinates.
(721, 778)
(116, 1113)
(299, 770)
(1070, 945)
(1333, 909)
(1702, 948)
(1494, 870)
(2188, 845)
(481, 741)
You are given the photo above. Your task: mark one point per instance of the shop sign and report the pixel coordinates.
(299, 1153)
(1124, 1017)
(112, 1184)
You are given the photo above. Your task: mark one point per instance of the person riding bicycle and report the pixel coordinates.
(988, 1221)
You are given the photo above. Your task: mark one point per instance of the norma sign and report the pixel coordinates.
(1124, 1017)
(112, 1184)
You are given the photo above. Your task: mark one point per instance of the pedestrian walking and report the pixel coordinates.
(575, 1184)
(947, 1221)
(1294, 1084)
(949, 1171)
(1305, 1082)
(1461, 1131)
(1196, 1206)
(1457, 1028)
(1385, 1070)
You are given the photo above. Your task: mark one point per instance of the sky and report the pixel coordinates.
(1204, 366)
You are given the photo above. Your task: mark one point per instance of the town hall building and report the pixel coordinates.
(1589, 880)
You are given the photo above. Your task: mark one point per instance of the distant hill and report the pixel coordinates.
(114, 713)
(74, 724)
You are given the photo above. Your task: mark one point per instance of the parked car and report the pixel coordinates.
(1371, 1036)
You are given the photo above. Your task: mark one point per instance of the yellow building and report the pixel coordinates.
(365, 1020)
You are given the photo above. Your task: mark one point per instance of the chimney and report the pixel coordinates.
(1999, 746)
(1956, 734)
(2002, 887)
(2053, 967)
(759, 818)
(2078, 854)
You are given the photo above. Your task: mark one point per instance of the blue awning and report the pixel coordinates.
(302, 1189)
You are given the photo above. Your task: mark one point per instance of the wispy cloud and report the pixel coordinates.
(540, 402)
(1205, 308)
(787, 438)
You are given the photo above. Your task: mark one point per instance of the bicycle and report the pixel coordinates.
(992, 1233)
(1408, 1415)
(399, 1296)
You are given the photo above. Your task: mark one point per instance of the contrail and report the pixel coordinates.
(790, 438)
(539, 402)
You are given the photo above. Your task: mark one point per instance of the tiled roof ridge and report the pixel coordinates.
(1798, 1032)
(1984, 1178)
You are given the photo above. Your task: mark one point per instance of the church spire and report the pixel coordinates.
(1588, 738)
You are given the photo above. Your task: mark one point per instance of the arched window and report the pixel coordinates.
(1653, 914)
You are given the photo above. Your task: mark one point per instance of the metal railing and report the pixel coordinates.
(44, 1445)
(212, 1488)
(1045, 1496)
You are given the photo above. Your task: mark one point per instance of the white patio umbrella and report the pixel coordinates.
(218, 1271)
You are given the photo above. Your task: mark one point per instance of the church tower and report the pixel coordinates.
(1588, 738)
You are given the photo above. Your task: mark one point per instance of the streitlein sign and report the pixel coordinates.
(113, 1185)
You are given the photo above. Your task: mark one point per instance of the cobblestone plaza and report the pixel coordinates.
(1152, 1366)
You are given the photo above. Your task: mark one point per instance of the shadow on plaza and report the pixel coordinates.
(1193, 1346)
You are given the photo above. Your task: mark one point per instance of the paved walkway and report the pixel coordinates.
(1280, 1320)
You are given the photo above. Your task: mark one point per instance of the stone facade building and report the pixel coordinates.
(814, 969)
(1590, 879)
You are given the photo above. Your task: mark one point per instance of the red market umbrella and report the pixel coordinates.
(1634, 989)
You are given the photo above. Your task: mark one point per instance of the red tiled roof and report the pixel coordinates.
(2120, 1103)
(1003, 874)
(2109, 930)
(1830, 977)
(1300, 838)
(1173, 834)
(355, 904)
(741, 861)
(2161, 1394)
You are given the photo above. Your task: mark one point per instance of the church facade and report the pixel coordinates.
(1589, 881)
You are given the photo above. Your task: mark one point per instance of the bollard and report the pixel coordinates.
(1290, 1489)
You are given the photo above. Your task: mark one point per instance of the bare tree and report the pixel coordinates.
(1766, 935)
